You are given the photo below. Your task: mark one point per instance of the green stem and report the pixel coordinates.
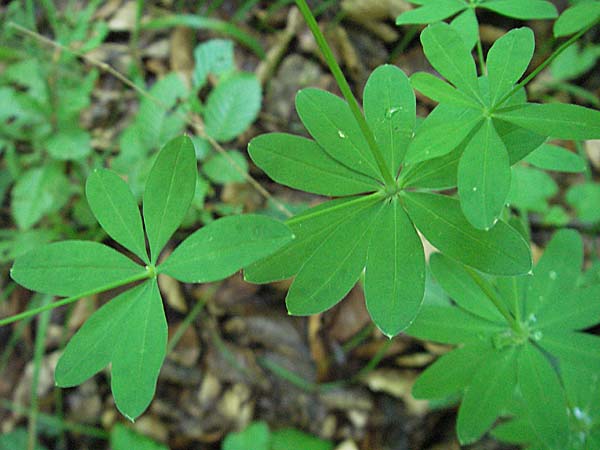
(515, 294)
(337, 73)
(196, 310)
(481, 60)
(149, 273)
(493, 296)
(543, 65)
(374, 362)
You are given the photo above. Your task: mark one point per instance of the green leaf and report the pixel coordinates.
(311, 228)
(113, 205)
(585, 198)
(232, 107)
(544, 398)
(69, 143)
(440, 91)
(491, 389)
(459, 285)
(431, 11)
(214, 56)
(577, 310)
(292, 439)
(139, 353)
(390, 110)
(220, 170)
(223, 247)
(123, 438)
(576, 18)
(573, 62)
(16, 440)
(467, 26)
(518, 141)
(500, 251)
(395, 274)
(580, 350)
(91, 349)
(256, 436)
(508, 60)
(446, 127)
(531, 189)
(519, 9)
(334, 267)
(433, 174)
(452, 325)
(72, 267)
(452, 372)
(484, 177)
(556, 273)
(448, 54)
(169, 192)
(552, 157)
(302, 164)
(555, 120)
(331, 123)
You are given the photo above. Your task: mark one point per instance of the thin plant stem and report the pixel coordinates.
(66, 301)
(341, 81)
(374, 361)
(183, 326)
(358, 338)
(515, 295)
(543, 65)
(480, 58)
(195, 122)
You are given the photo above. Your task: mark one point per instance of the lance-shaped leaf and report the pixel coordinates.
(333, 269)
(139, 353)
(72, 267)
(223, 247)
(452, 372)
(116, 210)
(395, 274)
(302, 164)
(433, 174)
(467, 26)
(577, 310)
(169, 192)
(331, 123)
(556, 273)
(310, 229)
(552, 157)
(92, 347)
(457, 283)
(444, 129)
(519, 9)
(555, 120)
(518, 141)
(440, 91)
(572, 348)
(501, 250)
(484, 177)
(577, 18)
(448, 54)
(390, 110)
(508, 60)
(491, 390)
(431, 11)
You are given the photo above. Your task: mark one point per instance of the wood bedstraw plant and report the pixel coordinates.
(130, 331)
(521, 355)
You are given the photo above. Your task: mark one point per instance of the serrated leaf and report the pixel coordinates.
(467, 26)
(311, 228)
(214, 56)
(452, 372)
(169, 192)
(501, 250)
(395, 273)
(72, 267)
(552, 157)
(576, 18)
(519, 9)
(484, 177)
(444, 129)
(431, 11)
(556, 273)
(223, 247)
(490, 390)
(91, 348)
(116, 210)
(331, 123)
(302, 164)
(139, 353)
(448, 54)
(457, 283)
(232, 106)
(334, 267)
(440, 91)
(508, 60)
(390, 111)
(555, 120)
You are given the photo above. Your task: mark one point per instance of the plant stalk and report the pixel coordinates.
(32, 312)
(341, 81)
